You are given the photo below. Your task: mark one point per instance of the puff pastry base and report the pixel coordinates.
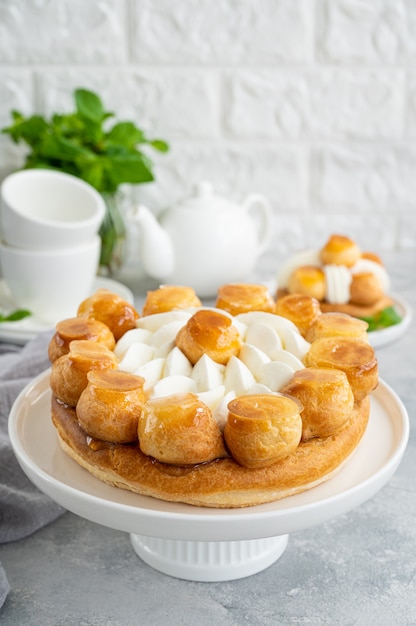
(355, 310)
(218, 484)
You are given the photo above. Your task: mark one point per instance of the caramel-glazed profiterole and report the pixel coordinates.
(207, 407)
(340, 276)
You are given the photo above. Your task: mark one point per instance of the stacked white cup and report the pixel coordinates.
(50, 247)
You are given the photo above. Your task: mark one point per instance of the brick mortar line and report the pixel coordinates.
(240, 66)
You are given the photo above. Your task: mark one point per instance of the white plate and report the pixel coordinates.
(35, 443)
(24, 330)
(198, 543)
(380, 338)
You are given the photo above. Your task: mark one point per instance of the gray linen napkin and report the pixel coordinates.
(23, 508)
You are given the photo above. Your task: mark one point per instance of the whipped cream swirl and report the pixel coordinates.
(272, 350)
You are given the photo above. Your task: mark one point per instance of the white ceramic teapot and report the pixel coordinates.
(205, 241)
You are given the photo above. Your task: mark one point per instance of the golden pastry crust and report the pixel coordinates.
(76, 328)
(356, 310)
(69, 372)
(372, 256)
(110, 405)
(168, 298)
(209, 332)
(222, 483)
(262, 429)
(239, 298)
(340, 250)
(365, 289)
(300, 309)
(356, 358)
(110, 309)
(339, 325)
(327, 400)
(308, 280)
(180, 430)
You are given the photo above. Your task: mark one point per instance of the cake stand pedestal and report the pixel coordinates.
(209, 561)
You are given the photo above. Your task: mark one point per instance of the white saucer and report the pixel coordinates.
(24, 330)
(199, 543)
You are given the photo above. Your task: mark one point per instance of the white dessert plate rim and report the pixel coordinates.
(36, 446)
(24, 330)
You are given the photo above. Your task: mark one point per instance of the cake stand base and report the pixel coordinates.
(209, 561)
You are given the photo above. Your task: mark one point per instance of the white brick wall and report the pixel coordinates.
(310, 102)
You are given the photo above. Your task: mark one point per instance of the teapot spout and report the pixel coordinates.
(156, 248)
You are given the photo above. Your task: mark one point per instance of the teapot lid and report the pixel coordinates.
(203, 197)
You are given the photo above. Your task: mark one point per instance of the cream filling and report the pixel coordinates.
(338, 278)
(272, 350)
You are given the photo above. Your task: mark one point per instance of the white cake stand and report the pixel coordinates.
(197, 543)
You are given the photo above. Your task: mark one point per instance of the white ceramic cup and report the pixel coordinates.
(50, 283)
(45, 209)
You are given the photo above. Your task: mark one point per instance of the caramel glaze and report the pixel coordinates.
(168, 298)
(209, 332)
(110, 309)
(300, 309)
(340, 250)
(98, 445)
(180, 470)
(76, 328)
(356, 358)
(239, 298)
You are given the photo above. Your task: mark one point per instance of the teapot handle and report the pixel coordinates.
(261, 210)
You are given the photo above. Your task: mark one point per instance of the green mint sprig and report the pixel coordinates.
(383, 319)
(82, 144)
(15, 316)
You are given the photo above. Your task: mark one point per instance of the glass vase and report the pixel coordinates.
(113, 236)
